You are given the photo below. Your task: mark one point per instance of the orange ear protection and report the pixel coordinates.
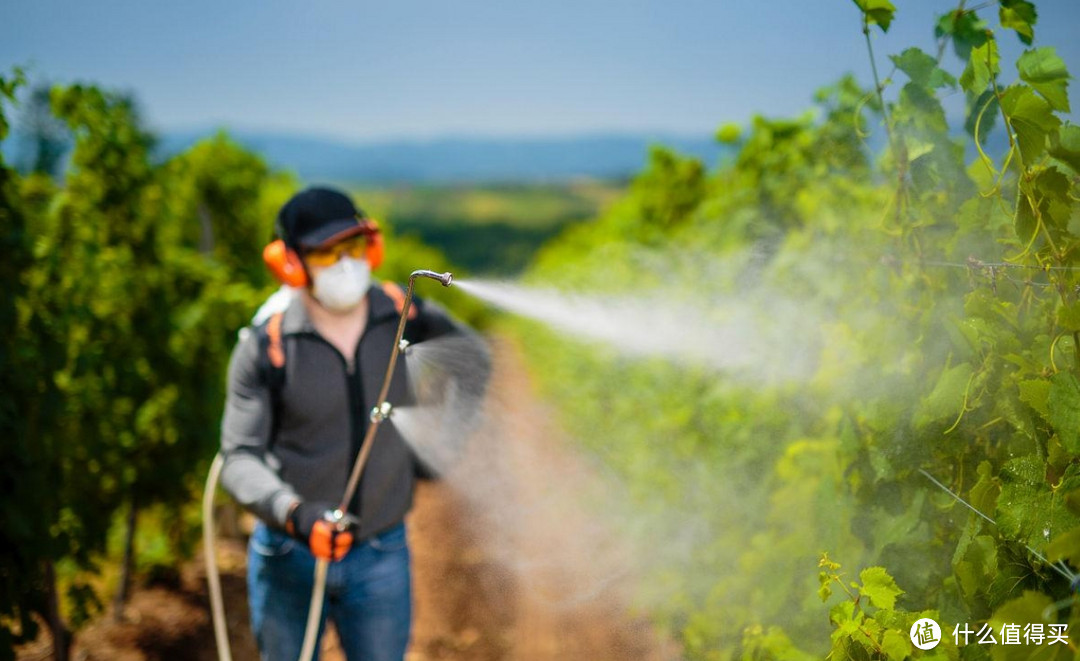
(375, 247)
(288, 268)
(285, 264)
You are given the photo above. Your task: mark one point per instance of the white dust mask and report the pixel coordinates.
(342, 286)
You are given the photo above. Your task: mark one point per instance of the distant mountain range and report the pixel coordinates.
(450, 160)
(458, 159)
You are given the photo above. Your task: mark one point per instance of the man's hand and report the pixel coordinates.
(324, 528)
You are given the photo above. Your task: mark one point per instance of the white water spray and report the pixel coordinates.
(447, 378)
(560, 519)
(768, 339)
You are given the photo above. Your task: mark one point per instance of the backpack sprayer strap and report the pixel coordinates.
(272, 367)
(274, 351)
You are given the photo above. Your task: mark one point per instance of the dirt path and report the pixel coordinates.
(507, 564)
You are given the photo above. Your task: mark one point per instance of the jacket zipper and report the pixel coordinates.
(356, 422)
(354, 390)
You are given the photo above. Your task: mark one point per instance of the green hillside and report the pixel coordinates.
(494, 229)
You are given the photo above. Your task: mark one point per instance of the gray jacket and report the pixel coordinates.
(307, 452)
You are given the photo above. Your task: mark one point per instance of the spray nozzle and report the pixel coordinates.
(444, 278)
(380, 413)
(341, 520)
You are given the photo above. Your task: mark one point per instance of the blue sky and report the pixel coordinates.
(424, 68)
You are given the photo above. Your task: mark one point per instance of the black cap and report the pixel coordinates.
(318, 216)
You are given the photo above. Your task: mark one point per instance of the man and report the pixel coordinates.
(301, 386)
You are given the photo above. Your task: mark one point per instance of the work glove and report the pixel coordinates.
(326, 530)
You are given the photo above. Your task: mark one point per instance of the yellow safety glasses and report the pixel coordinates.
(355, 247)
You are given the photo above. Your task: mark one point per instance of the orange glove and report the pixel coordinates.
(325, 529)
(328, 541)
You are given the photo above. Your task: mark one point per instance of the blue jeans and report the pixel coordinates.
(368, 595)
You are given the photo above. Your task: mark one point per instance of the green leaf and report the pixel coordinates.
(1065, 547)
(922, 69)
(1065, 146)
(917, 148)
(947, 398)
(845, 612)
(8, 86)
(1063, 405)
(1068, 316)
(920, 109)
(828, 564)
(896, 645)
(965, 28)
(825, 591)
(1035, 393)
(1052, 192)
(984, 494)
(1029, 510)
(1045, 197)
(1019, 15)
(977, 566)
(879, 587)
(983, 111)
(1026, 225)
(1032, 119)
(1045, 71)
(982, 67)
(877, 11)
